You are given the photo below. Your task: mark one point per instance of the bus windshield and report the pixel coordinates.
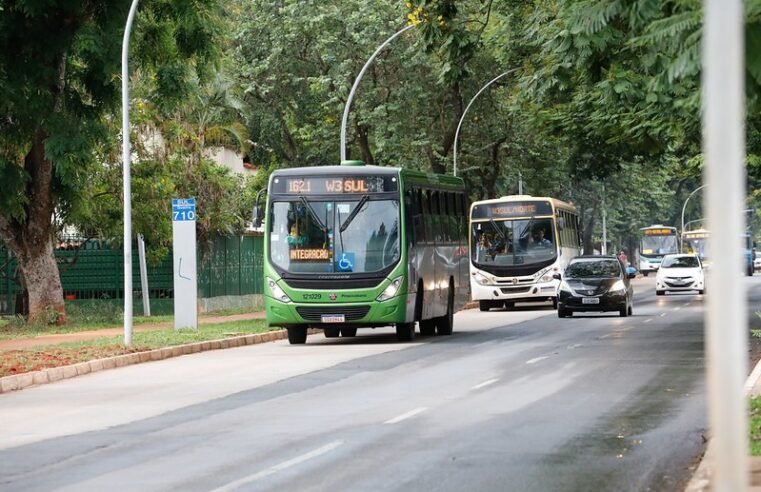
(658, 245)
(513, 242)
(341, 236)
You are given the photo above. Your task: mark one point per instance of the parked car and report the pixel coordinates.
(756, 261)
(595, 283)
(680, 273)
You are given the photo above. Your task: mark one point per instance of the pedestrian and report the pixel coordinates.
(623, 258)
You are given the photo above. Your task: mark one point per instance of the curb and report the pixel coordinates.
(25, 380)
(702, 477)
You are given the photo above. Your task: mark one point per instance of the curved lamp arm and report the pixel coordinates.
(457, 132)
(345, 118)
(684, 207)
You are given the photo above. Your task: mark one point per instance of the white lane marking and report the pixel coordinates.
(677, 308)
(279, 467)
(537, 359)
(407, 415)
(605, 336)
(648, 320)
(485, 383)
(662, 315)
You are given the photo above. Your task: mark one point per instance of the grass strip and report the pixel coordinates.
(21, 361)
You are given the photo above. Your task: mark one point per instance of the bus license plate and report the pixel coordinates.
(333, 318)
(590, 300)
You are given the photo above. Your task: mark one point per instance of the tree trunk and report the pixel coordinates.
(364, 145)
(31, 239)
(43, 285)
(589, 228)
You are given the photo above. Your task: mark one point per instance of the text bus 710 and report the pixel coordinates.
(517, 243)
(355, 246)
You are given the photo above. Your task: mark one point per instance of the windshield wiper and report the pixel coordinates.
(353, 213)
(313, 214)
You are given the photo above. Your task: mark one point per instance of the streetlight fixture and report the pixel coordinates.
(345, 118)
(457, 132)
(126, 155)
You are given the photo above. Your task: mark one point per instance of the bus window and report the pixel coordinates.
(411, 212)
(427, 216)
(420, 236)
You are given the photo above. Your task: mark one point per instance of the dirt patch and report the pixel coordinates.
(20, 361)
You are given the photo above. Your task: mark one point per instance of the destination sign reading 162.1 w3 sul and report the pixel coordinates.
(183, 209)
(334, 184)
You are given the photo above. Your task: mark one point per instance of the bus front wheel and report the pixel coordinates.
(297, 335)
(445, 324)
(405, 332)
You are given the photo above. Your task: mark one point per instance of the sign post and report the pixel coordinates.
(185, 277)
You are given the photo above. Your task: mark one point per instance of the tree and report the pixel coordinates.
(59, 66)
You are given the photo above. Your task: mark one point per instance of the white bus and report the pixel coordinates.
(516, 244)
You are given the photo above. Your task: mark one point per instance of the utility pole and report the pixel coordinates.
(520, 183)
(604, 247)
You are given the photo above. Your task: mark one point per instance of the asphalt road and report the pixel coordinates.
(516, 400)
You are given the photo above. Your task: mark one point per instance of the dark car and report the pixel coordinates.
(595, 283)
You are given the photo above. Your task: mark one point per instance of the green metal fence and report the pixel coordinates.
(232, 266)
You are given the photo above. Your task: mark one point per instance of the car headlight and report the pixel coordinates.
(482, 279)
(619, 285)
(277, 292)
(565, 287)
(391, 290)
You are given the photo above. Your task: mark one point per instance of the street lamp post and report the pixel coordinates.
(457, 132)
(126, 155)
(345, 118)
(684, 207)
(726, 327)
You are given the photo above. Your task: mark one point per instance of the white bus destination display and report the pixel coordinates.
(511, 210)
(327, 185)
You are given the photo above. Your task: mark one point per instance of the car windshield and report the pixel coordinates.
(359, 236)
(513, 242)
(606, 268)
(680, 262)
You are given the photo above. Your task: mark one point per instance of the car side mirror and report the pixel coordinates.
(556, 276)
(631, 275)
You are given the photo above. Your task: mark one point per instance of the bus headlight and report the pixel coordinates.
(391, 290)
(277, 292)
(482, 279)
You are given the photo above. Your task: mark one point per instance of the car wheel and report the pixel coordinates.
(484, 305)
(624, 311)
(701, 292)
(509, 306)
(659, 292)
(349, 331)
(645, 273)
(405, 332)
(554, 303)
(564, 313)
(297, 335)
(630, 310)
(331, 331)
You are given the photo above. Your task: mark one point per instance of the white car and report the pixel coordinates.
(757, 261)
(679, 273)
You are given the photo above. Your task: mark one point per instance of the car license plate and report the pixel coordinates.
(590, 300)
(333, 318)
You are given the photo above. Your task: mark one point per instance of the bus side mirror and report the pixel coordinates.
(257, 216)
(556, 276)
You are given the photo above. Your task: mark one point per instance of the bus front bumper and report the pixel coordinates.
(372, 313)
(514, 292)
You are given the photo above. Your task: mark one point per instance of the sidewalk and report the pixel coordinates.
(25, 343)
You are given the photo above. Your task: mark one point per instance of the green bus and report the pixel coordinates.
(356, 246)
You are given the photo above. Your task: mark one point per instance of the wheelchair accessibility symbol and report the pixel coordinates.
(345, 263)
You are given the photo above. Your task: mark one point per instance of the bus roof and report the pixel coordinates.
(526, 198)
(363, 170)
